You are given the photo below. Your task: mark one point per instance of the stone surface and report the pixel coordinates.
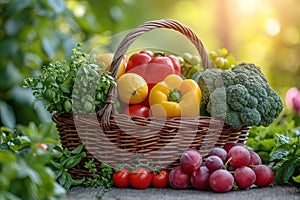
(268, 193)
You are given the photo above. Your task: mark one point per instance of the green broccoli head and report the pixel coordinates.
(250, 100)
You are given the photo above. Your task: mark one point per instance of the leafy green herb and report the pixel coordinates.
(103, 179)
(64, 160)
(78, 85)
(286, 158)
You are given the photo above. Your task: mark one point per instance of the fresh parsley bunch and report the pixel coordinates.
(78, 85)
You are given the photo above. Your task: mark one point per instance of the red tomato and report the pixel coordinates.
(137, 59)
(161, 179)
(141, 179)
(176, 64)
(137, 110)
(121, 178)
(42, 146)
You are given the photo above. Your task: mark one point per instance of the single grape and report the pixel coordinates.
(223, 51)
(264, 175)
(226, 65)
(187, 56)
(220, 152)
(244, 177)
(219, 62)
(213, 163)
(178, 178)
(229, 145)
(221, 180)
(254, 159)
(195, 60)
(213, 55)
(240, 156)
(190, 160)
(200, 178)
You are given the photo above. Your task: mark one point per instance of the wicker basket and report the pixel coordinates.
(117, 138)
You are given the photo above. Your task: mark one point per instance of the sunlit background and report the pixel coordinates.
(264, 32)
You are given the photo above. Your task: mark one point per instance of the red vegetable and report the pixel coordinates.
(153, 69)
(140, 179)
(161, 179)
(121, 178)
(137, 110)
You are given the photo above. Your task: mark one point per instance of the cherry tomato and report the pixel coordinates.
(136, 60)
(176, 64)
(121, 178)
(137, 110)
(42, 146)
(140, 179)
(161, 179)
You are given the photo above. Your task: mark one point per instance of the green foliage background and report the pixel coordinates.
(33, 33)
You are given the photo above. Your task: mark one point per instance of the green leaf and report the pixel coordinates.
(284, 172)
(283, 139)
(280, 153)
(296, 178)
(74, 160)
(57, 5)
(7, 115)
(48, 47)
(77, 150)
(267, 145)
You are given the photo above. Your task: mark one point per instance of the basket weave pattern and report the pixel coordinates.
(117, 138)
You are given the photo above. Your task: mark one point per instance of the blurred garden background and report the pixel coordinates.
(34, 33)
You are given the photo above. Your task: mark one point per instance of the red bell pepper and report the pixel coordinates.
(153, 67)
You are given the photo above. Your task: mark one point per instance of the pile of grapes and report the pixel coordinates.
(229, 168)
(221, 58)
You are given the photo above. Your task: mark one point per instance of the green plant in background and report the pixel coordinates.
(33, 33)
(285, 158)
(24, 155)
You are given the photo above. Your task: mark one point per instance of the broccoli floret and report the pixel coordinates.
(237, 97)
(226, 78)
(250, 101)
(250, 116)
(233, 119)
(206, 81)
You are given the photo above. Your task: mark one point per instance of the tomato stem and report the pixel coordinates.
(175, 95)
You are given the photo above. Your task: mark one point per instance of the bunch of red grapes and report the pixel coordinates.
(224, 169)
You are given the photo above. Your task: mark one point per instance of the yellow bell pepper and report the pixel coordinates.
(175, 97)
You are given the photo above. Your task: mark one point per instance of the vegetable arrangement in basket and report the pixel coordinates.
(191, 93)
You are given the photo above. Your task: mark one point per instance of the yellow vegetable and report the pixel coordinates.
(107, 58)
(132, 88)
(175, 97)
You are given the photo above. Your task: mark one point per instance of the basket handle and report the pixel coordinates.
(129, 39)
